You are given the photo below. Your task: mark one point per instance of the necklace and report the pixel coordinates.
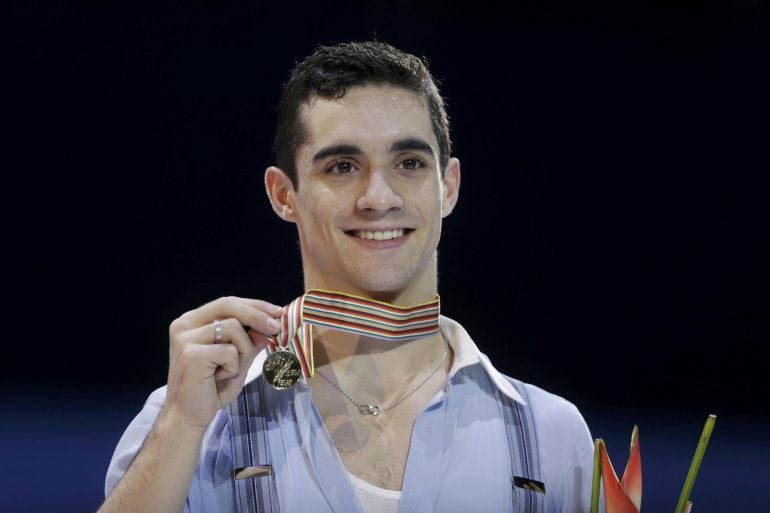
(373, 409)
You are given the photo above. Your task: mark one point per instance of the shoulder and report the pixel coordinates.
(556, 417)
(544, 403)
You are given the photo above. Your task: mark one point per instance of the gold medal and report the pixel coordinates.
(282, 369)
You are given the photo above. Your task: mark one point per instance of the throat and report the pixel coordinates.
(354, 381)
(375, 382)
(376, 367)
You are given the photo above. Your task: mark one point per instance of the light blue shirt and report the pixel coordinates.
(458, 456)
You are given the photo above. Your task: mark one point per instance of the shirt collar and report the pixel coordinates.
(466, 353)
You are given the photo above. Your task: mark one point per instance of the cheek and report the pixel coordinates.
(427, 192)
(322, 211)
(427, 201)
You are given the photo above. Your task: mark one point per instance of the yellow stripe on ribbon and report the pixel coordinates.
(352, 314)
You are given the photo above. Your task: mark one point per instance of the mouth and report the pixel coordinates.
(396, 233)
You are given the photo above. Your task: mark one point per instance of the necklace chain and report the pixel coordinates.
(371, 409)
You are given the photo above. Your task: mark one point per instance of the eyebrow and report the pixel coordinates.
(412, 143)
(337, 149)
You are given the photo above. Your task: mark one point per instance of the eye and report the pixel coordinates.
(341, 167)
(412, 163)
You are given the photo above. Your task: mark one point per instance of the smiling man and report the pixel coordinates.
(358, 396)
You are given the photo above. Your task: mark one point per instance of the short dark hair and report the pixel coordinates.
(331, 70)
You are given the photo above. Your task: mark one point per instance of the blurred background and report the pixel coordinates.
(613, 206)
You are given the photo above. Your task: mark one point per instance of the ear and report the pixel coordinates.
(451, 187)
(281, 193)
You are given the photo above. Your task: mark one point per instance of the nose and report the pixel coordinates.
(379, 196)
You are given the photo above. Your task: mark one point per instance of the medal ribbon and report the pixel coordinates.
(352, 314)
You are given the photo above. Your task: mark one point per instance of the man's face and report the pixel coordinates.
(370, 195)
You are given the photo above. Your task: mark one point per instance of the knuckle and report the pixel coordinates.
(259, 316)
(176, 340)
(218, 302)
(231, 324)
(231, 351)
(187, 353)
(181, 339)
(177, 326)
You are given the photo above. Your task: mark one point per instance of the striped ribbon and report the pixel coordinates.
(352, 314)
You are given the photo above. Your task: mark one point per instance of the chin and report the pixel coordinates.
(384, 287)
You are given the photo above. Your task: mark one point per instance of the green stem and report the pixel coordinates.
(695, 465)
(596, 478)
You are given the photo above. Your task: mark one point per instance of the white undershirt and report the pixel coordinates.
(374, 499)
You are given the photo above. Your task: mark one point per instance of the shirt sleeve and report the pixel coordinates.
(578, 468)
(566, 451)
(210, 487)
(133, 438)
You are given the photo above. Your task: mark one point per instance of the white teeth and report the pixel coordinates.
(384, 235)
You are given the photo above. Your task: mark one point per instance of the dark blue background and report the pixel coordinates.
(613, 210)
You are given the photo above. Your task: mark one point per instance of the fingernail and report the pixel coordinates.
(273, 324)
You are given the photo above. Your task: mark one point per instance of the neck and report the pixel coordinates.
(377, 368)
(402, 297)
(419, 288)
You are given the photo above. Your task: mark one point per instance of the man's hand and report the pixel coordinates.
(205, 376)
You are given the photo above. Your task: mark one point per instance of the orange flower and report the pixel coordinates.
(624, 496)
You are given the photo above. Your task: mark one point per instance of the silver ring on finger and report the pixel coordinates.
(218, 331)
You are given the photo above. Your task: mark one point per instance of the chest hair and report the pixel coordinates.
(373, 448)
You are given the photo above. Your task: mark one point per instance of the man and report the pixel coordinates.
(386, 418)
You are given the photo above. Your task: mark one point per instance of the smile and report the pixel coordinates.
(379, 235)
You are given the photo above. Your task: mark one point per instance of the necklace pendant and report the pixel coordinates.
(368, 409)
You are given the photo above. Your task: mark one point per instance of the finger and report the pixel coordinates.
(257, 339)
(268, 308)
(245, 363)
(225, 360)
(204, 361)
(232, 332)
(256, 314)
